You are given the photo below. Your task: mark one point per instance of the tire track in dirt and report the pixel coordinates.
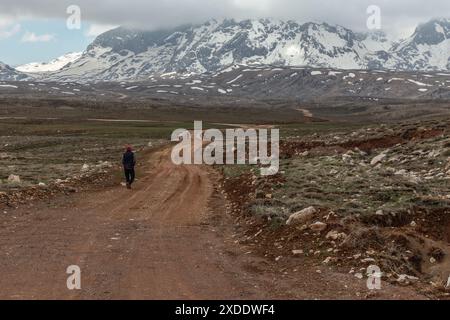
(169, 238)
(148, 243)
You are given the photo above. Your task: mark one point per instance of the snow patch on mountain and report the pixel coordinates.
(129, 55)
(10, 74)
(53, 65)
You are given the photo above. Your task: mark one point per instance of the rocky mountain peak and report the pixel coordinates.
(129, 54)
(432, 32)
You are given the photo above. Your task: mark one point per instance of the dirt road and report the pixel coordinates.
(169, 238)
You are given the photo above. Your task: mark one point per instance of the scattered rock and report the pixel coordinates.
(258, 233)
(437, 254)
(401, 172)
(327, 260)
(405, 279)
(103, 164)
(14, 179)
(359, 275)
(301, 216)
(334, 235)
(71, 189)
(297, 252)
(347, 159)
(318, 226)
(85, 167)
(4, 155)
(378, 159)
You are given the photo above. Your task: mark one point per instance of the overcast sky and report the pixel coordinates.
(398, 16)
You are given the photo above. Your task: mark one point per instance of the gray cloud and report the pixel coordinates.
(397, 15)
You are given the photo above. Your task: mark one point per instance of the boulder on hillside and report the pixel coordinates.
(301, 216)
(14, 179)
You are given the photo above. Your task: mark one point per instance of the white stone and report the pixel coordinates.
(318, 226)
(400, 172)
(327, 260)
(378, 159)
(404, 278)
(347, 159)
(359, 275)
(334, 235)
(14, 179)
(301, 216)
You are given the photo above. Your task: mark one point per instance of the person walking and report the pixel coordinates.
(129, 162)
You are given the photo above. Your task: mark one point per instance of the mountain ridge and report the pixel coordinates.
(53, 65)
(123, 54)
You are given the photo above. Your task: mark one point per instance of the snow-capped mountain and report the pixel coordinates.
(53, 65)
(124, 54)
(10, 74)
(427, 49)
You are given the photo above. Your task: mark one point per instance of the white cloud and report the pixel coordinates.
(97, 29)
(8, 27)
(4, 34)
(32, 37)
(398, 16)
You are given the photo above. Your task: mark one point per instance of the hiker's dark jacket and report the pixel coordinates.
(129, 160)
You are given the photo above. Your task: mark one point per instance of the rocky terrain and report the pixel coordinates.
(350, 198)
(40, 159)
(241, 83)
(10, 74)
(351, 192)
(347, 196)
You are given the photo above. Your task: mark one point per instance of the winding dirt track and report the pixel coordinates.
(169, 238)
(148, 243)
